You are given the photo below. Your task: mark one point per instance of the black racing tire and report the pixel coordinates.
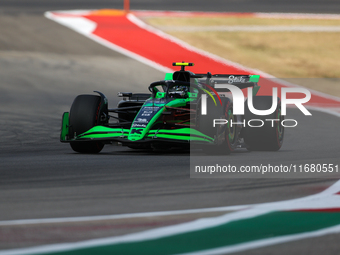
(227, 135)
(85, 114)
(269, 137)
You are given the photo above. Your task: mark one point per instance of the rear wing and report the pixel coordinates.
(240, 81)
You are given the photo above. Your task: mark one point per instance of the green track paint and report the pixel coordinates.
(265, 226)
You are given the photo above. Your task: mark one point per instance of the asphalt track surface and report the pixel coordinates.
(43, 66)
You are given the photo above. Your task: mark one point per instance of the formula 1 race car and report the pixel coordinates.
(183, 110)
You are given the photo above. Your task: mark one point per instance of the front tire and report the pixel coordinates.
(85, 114)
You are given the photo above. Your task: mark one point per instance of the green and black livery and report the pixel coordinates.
(167, 117)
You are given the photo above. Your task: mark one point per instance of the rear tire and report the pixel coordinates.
(269, 137)
(85, 114)
(225, 135)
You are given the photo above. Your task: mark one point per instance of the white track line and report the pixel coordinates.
(269, 15)
(296, 15)
(308, 29)
(121, 216)
(325, 199)
(86, 29)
